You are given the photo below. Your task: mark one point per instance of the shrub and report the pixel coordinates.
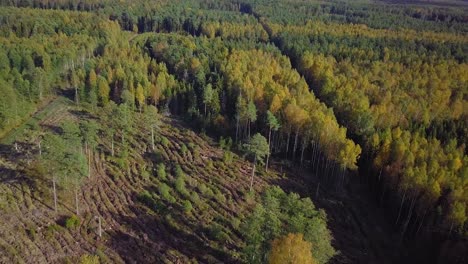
(187, 206)
(191, 145)
(179, 173)
(184, 149)
(180, 186)
(164, 141)
(210, 164)
(203, 189)
(220, 197)
(228, 157)
(145, 174)
(51, 229)
(89, 259)
(102, 256)
(236, 223)
(145, 197)
(164, 190)
(161, 171)
(72, 222)
(196, 153)
(195, 198)
(225, 143)
(216, 232)
(31, 233)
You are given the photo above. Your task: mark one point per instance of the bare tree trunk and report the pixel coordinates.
(112, 146)
(253, 173)
(410, 213)
(76, 200)
(302, 150)
(287, 142)
(89, 164)
(401, 205)
(269, 149)
(55, 194)
(237, 128)
(77, 100)
(422, 221)
(295, 143)
(100, 228)
(152, 137)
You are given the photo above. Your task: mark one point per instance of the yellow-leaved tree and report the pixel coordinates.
(291, 249)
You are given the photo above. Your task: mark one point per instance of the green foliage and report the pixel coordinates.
(183, 149)
(217, 232)
(32, 233)
(161, 171)
(165, 192)
(187, 206)
(206, 191)
(272, 121)
(225, 143)
(280, 213)
(195, 198)
(146, 198)
(164, 141)
(180, 186)
(322, 73)
(228, 157)
(72, 222)
(179, 173)
(257, 146)
(89, 259)
(220, 198)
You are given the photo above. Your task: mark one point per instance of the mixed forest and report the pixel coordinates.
(233, 131)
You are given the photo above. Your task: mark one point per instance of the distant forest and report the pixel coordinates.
(377, 89)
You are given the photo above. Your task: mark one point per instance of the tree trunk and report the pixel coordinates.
(40, 149)
(410, 213)
(89, 164)
(77, 100)
(112, 146)
(317, 191)
(253, 173)
(287, 141)
(269, 149)
(55, 195)
(76, 200)
(401, 205)
(152, 137)
(302, 151)
(237, 128)
(295, 143)
(422, 221)
(100, 228)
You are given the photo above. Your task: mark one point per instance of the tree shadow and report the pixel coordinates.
(358, 226)
(157, 234)
(82, 114)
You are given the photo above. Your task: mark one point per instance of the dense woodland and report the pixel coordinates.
(374, 90)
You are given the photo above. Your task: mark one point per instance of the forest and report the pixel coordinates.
(233, 131)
